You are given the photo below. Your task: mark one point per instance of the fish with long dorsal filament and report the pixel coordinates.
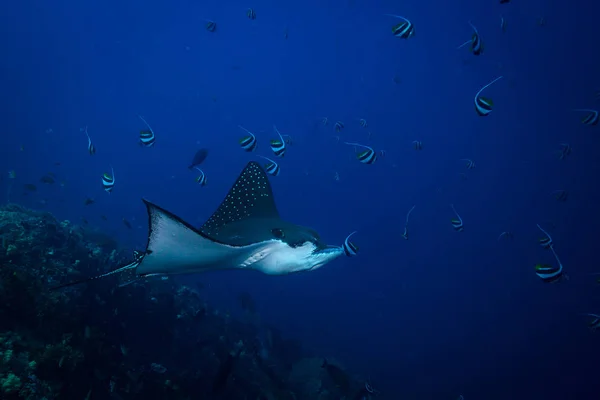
(245, 232)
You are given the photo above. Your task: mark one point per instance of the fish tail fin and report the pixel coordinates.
(124, 270)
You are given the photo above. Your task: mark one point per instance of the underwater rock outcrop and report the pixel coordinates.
(147, 340)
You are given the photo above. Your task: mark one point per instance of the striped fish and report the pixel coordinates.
(546, 242)
(550, 273)
(457, 223)
(91, 147)
(147, 138)
(251, 14)
(201, 179)
(594, 323)
(350, 249)
(338, 126)
(561, 195)
(476, 43)
(403, 30)
(108, 181)
(271, 167)
(366, 157)
(591, 118)
(565, 150)
(211, 26)
(470, 164)
(506, 235)
(484, 105)
(278, 146)
(249, 142)
(418, 145)
(362, 122)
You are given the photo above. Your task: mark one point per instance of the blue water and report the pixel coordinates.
(442, 314)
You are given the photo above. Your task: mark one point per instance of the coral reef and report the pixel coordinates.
(154, 339)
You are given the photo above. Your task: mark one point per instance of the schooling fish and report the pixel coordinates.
(278, 146)
(561, 195)
(251, 14)
(405, 233)
(484, 105)
(199, 158)
(91, 147)
(475, 41)
(245, 232)
(147, 137)
(418, 145)
(550, 273)
(470, 163)
(362, 122)
(546, 242)
(565, 150)
(201, 179)
(339, 125)
(457, 223)
(506, 235)
(249, 142)
(366, 157)
(271, 167)
(350, 249)
(108, 181)
(591, 118)
(211, 26)
(594, 323)
(403, 30)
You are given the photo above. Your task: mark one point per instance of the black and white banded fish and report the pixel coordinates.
(278, 146)
(211, 26)
(561, 195)
(591, 118)
(108, 181)
(475, 41)
(366, 157)
(91, 147)
(201, 179)
(325, 121)
(502, 24)
(457, 223)
(251, 14)
(594, 323)
(417, 144)
(338, 126)
(405, 233)
(362, 122)
(484, 105)
(403, 30)
(147, 137)
(565, 150)
(546, 242)
(350, 249)
(248, 142)
(549, 273)
(506, 235)
(271, 166)
(470, 164)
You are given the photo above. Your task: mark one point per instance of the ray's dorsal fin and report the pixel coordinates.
(250, 196)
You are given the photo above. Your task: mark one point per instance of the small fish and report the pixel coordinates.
(325, 121)
(88, 201)
(404, 29)
(475, 41)
(91, 147)
(271, 167)
(506, 235)
(147, 137)
(591, 118)
(199, 158)
(502, 24)
(541, 21)
(200, 180)
(126, 223)
(251, 14)
(565, 150)
(546, 242)
(366, 157)
(278, 146)
(338, 126)
(336, 176)
(48, 179)
(484, 105)
(550, 273)
(382, 153)
(405, 233)
(211, 26)
(350, 249)
(561, 195)
(470, 164)
(362, 122)
(417, 144)
(457, 224)
(108, 181)
(594, 323)
(249, 142)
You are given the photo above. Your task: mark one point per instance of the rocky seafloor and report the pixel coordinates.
(148, 340)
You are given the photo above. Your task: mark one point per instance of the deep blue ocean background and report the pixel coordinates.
(439, 315)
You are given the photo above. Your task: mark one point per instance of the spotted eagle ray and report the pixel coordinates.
(245, 232)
